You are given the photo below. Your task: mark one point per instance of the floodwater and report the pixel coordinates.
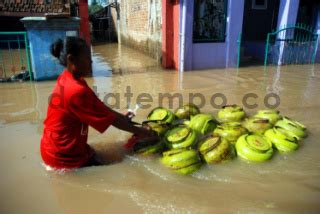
(286, 184)
(12, 62)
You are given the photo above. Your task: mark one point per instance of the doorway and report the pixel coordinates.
(260, 18)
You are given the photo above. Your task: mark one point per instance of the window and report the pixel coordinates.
(209, 22)
(259, 4)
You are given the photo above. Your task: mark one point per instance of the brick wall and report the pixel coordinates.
(140, 25)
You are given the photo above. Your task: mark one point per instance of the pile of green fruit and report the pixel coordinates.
(190, 138)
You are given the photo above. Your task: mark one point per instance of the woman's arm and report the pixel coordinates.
(124, 124)
(91, 110)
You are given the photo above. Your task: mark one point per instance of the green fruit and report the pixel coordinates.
(230, 131)
(215, 149)
(203, 123)
(187, 111)
(159, 128)
(180, 137)
(161, 115)
(231, 113)
(183, 161)
(257, 125)
(254, 148)
(272, 115)
(281, 140)
(146, 148)
(293, 128)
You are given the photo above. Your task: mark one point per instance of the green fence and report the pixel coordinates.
(291, 45)
(14, 55)
(239, 49)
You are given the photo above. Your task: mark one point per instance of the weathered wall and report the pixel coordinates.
(140, 25)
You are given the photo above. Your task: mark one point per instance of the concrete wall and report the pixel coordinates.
(170, 33)
(213, 55)
(84, 21)
(140, 25)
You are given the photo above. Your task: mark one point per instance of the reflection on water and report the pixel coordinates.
(288, 183)
(115, 59)
(101, 68)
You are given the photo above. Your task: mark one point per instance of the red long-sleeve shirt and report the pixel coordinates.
(72, 107)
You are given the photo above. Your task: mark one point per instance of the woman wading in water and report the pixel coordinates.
(73, 107)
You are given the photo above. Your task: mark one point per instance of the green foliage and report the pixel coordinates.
(93, 2)
(94, 7)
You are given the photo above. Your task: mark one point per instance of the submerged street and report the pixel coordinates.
(288, 183)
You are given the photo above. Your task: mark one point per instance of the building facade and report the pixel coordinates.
(43, 23)
(203, 34)
(11, 11)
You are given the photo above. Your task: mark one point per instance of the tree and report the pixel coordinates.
(94, 7)
(93, 3)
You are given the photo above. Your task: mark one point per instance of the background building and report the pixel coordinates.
(11, 11)
(183, 34)
(138, 23)
(203, 34)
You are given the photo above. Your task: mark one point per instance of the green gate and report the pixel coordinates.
(14, 54)
(291, 45)
(239, 49)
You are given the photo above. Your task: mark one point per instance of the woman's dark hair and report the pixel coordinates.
(70, 45)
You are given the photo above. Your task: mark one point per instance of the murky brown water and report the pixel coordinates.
(286, 184)
(12, 62)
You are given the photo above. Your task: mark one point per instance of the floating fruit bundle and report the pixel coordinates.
(189, 138)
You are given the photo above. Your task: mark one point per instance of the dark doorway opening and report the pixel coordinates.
(307, 13)
(260, 18)
(103, 25)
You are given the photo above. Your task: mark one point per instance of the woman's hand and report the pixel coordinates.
(129, 115)
(124, 124)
